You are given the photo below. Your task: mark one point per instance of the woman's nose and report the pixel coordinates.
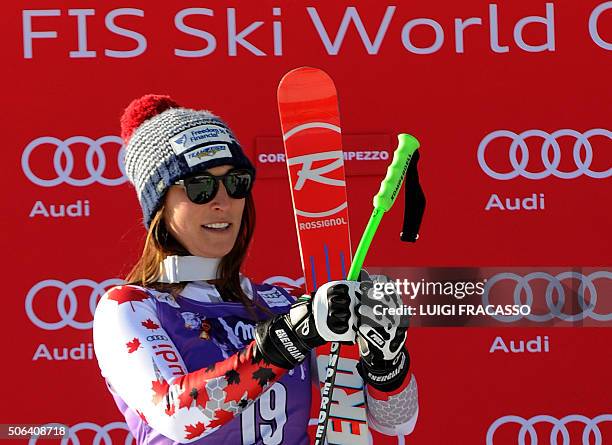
(221, 201)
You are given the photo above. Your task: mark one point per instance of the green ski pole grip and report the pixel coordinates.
(384, 199)
(391, 185)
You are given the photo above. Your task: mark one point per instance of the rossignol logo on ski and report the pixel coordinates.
(322, 223)
(321, 177)
(317, 174)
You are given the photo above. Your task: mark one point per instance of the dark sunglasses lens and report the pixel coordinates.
(201, 189)
(238, 183)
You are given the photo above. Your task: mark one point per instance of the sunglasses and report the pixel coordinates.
(203, 187)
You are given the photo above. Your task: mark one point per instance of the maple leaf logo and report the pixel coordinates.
(202, 398)
(186, 397)
(263, 376)
(160, 390)
(124, 294)
(150, 324)
(133, 345)
(194, 385)
(232, 377)
(221, 418)
(194, 431)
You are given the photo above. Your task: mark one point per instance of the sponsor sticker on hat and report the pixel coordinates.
(196, 136)
(207, 153)
(274, 298)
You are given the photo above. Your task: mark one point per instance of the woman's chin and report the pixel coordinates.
(215, 252)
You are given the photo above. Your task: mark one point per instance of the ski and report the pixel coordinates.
(310, 121)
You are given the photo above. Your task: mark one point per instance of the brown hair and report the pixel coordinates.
(159, 244)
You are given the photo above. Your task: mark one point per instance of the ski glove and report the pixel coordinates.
(286, 340)
(381, 335)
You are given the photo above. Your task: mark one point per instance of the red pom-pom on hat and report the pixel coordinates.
(142, 109)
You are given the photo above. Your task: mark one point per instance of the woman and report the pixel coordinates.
(189, 344)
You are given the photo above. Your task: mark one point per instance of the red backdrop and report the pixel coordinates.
(514, 106)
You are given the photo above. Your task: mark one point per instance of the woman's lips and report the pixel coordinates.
(217, 227)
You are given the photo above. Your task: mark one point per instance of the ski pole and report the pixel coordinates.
(384, 199)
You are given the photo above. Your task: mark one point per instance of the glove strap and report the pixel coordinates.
(386, 375)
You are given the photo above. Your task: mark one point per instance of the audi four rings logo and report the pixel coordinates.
(554, 291)
(66, 293)
(582, 154)
(63, 151)
(559, 427)
(102, 436)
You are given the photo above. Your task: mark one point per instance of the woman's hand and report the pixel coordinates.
(343, 311)
(381, 333)
(330, 315)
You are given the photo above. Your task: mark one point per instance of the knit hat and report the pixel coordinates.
(165, 143)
